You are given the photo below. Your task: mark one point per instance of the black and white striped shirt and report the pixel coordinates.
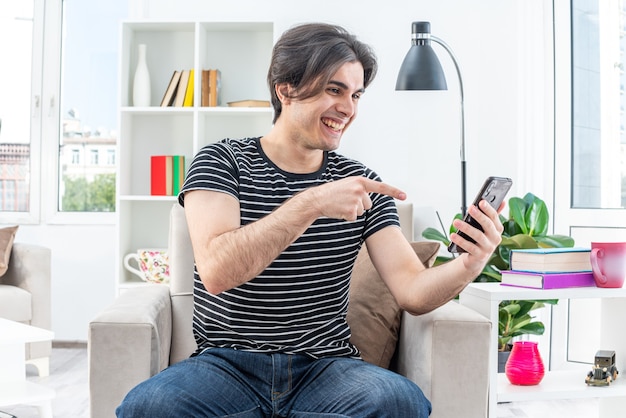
(299, 303)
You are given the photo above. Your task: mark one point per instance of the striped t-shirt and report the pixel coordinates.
(298, 304)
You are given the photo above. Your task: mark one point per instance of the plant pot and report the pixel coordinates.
(503, 357)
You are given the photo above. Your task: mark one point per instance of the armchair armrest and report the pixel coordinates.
(30, 269)
(128, 343)
(446, 352)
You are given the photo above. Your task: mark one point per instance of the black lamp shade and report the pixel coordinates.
(421, 69)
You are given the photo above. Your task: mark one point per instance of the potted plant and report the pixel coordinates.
(525, 227)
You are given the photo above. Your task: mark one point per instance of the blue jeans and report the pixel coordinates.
(223, 382)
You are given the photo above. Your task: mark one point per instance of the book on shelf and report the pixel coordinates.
(188, 102)
(178, 173)
(249, 103)
(547, 280)
(551, 260)
(205, 90)
(167, 174)
(169, 95)
(182, 88)
(211, 86)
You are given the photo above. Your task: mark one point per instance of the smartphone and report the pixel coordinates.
(494, 191)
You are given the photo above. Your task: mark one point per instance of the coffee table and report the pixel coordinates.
(14, 389)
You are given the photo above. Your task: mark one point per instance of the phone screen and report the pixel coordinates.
(493, 190)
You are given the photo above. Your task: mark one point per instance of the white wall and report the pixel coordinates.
(410, 138)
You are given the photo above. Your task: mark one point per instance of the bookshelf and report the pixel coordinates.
(561, 384)
(242, 51)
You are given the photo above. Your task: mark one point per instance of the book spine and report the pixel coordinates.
(182, 88)
(178, 173)
(188, 102)
(206, 89)
(561, 281)
(215, 81)
(158, 175)
(531, 280)
(169, 95)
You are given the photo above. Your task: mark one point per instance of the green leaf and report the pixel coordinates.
(517, 211)
(537, 218)
(435, 235)
(534, 328)
(555, 241)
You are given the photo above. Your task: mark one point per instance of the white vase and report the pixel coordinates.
(141, 82)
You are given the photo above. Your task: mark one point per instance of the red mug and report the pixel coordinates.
(608, 262)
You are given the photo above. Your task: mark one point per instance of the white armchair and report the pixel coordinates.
(148, 328)
(25, 297)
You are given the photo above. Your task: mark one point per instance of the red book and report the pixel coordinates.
(161, 175)
(548, 280)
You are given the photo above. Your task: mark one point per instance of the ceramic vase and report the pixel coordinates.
(141, 82)
(524, 366)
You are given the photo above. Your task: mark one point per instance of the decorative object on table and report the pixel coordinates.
(550, 260)
(608, 261)
(141, 81)
(525, 227)
(153, 265)
(525, 366)
(604, 370)
(421, 70)
(558, 280)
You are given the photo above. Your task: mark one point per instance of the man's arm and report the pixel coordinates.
(228, 255)
(419, 290)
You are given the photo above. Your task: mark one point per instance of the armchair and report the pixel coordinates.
(25, 297)
(148, 328)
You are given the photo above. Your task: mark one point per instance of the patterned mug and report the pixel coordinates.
(153, 264)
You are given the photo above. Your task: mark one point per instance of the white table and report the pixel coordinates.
(14, 389)
(485, 298)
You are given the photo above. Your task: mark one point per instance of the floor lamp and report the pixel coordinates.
(421, 70)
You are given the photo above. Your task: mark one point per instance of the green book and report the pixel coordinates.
(178, 173)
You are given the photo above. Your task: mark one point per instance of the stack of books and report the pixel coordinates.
(549, 268)
(167, 174)
(180, 89)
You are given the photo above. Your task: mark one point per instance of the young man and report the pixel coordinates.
(276, 223)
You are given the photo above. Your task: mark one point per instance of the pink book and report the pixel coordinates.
(547, 280)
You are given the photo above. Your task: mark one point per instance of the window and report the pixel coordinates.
(89, 104)
(598, 99)
(63, 49)
(111, 157)
(94, 157)
(16, 41)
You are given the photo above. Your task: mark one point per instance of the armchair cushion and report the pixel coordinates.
(16, 303)
(373, 314)
(7, 235)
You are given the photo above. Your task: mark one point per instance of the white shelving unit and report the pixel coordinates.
(485, 298)
(241, 51)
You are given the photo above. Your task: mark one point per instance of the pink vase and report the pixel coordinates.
(524, 366)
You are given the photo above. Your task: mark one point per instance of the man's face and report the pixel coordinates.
(320, 121)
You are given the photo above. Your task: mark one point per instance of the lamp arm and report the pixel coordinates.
(462, 151)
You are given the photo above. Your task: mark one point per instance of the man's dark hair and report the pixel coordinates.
(306, 57)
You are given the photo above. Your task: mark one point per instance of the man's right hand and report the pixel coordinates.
(348, 198)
